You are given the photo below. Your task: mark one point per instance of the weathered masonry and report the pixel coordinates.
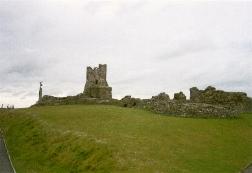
(210, 95)
(202, 103)
(96, 83)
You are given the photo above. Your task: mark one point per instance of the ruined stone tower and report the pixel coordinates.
(96, 84)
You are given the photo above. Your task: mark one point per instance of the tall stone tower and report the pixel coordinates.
(96, 84)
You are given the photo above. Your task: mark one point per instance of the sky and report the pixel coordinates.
(148, 46)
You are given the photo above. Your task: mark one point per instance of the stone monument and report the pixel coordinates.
(40, 91)
(96, 84)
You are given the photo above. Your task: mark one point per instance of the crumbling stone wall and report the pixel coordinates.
(96, 84)
(162, 104)
(179, 97)
(161, 97)
(130, 102)
(218, 97)
(78, 99)
(179, 107)
(248, 105)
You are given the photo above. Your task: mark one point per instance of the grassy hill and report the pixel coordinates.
(99, 138)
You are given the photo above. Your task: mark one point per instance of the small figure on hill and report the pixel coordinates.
(40, 90)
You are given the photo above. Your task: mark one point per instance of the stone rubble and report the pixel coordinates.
(179, 97)
(203, 103)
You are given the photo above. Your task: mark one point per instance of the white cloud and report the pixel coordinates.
(149, 46)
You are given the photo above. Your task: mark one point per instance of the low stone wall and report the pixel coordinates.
(162, 104)
(218, 97)
(78, 99)
(192, 109)
(248, 105)
(184, 108)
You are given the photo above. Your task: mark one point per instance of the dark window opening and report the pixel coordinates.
(96, 81)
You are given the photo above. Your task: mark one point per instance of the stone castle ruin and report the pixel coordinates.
(96, 90)
(96, 84)
(202, 103)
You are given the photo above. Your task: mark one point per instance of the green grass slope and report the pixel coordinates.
(99, 138)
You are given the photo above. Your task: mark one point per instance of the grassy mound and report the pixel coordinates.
(99, 138)
(35, 147)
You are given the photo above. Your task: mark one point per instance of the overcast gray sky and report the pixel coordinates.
(149, 46)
